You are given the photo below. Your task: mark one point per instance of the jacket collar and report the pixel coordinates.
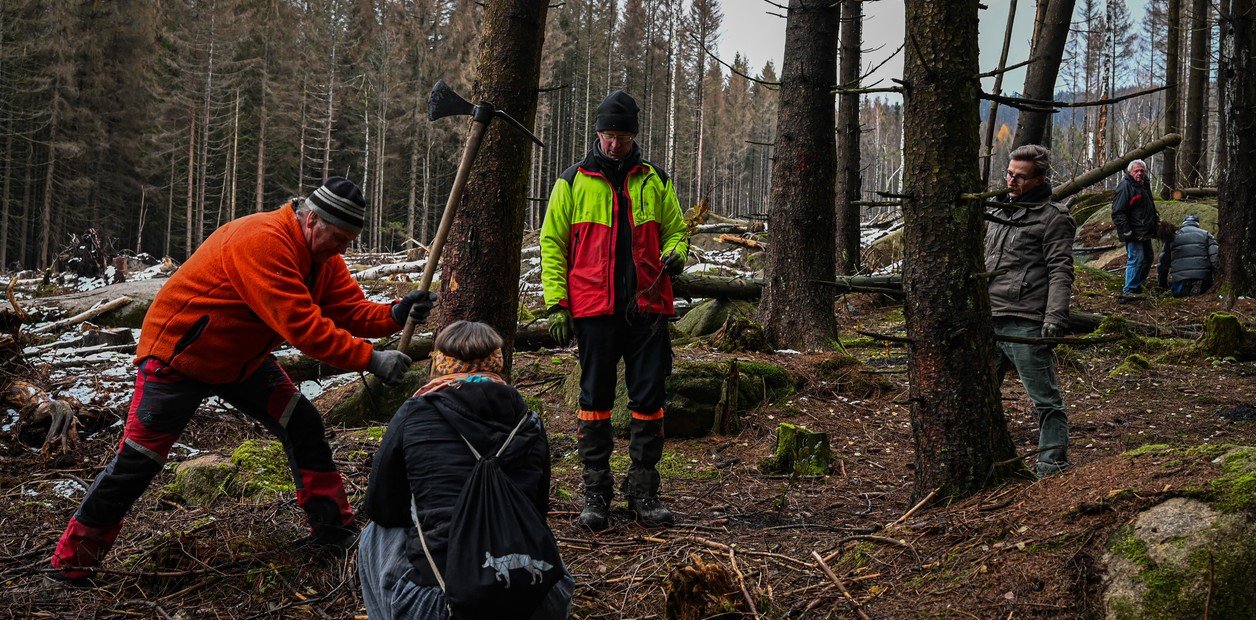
(1037, 198)
(597, 162)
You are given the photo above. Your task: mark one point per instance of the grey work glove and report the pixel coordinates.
(417, 305)
(560, 326)
(673, 263)
(390, 366)
(1051, 330)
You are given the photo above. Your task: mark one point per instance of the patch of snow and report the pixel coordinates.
(787, 351)
(183, 451)
(10, 418)
(68, 489)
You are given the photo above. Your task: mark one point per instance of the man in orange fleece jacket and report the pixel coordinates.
(256, 282)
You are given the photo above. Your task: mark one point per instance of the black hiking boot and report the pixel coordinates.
(651, 512)
(596, 514)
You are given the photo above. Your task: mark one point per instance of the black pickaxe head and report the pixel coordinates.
(445, 102)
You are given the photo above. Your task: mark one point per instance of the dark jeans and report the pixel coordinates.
(1138, 257)
(1036, 366)
(1190, 288)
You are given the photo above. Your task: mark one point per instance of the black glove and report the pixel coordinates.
(1051, 330)
(560, 326)
(390, 366)
(673, 263)
(417, 305)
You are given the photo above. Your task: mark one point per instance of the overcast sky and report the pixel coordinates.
(754, 28)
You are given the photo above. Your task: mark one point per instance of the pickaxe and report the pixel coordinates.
(441, 103)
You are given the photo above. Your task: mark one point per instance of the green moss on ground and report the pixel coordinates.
(1132, 365)
(1155, 448)
(672, 466)
(263, 467)
(1235, 489)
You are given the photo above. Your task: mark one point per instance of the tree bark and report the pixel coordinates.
(960, 434)
(1172, 96)
(849, 182)
(1236, 213)
(1049, 41)
(798, 312)
(1191, 152)
(480, 278)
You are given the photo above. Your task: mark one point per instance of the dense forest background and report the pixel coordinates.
(152, 122)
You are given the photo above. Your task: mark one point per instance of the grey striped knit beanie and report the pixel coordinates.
(340, 203)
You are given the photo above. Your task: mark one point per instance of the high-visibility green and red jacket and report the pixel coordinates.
(579, 235)
(252, 285)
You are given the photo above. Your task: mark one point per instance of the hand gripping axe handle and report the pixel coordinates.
(441, 103)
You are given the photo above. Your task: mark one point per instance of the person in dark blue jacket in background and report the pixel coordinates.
(1134, 215)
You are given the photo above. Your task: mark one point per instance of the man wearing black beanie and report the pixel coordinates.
(613, 236)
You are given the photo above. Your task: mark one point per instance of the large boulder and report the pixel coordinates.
(1184, 556)
(201, 480)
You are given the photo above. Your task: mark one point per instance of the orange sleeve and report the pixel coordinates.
(264, 270)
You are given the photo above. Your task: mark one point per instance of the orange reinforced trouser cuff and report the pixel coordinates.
(594, 416)
(656, 415)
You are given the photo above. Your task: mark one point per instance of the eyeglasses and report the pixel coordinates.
(1018, 177)
(620, 138)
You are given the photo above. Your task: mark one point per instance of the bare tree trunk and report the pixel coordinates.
(987, 146)
(1191, 153)
(480, 274)
(46, 218)
(849, 181)
(260, 189)
(235, 158)
(4, 197)
(26, 203)
(139, 233)
(331, 118)
(1040, 76)
(188, 223)
(1236, 216)
(165, 250)
(960, 434)
(797, 311)
(203, 164)
(1223, 10)
(1172, 95)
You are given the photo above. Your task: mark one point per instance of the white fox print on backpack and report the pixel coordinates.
(506, 563)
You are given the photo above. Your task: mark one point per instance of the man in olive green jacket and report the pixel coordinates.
(1031, 251)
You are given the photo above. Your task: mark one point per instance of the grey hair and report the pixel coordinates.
(301, 207)
(1039, 156)
(1136, 161)
(468, 340)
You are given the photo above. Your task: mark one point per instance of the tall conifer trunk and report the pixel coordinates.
(957, 418)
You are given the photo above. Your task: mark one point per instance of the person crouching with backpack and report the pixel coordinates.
(468, 463)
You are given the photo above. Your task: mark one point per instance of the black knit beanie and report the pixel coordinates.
(617, 112)
(340, 203)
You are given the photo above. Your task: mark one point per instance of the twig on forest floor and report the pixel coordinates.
(840, 586)
(907, 515)
(741, 581)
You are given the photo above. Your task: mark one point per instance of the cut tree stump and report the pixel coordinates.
(1225, 336)
(799, 451)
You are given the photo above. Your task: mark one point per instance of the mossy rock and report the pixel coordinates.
(694, 394)
(1089, 204)
(262, 468)
(1178, 559)
(525, 315)
(359, 404)
(203, 479)
(1170, 211)
(740, 334)
(710, 315)
(535, 404)
(1133, 365)
(1235, 489)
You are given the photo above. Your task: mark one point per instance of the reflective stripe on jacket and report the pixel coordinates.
(578, 240)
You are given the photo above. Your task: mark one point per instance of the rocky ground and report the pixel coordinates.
(746, 543)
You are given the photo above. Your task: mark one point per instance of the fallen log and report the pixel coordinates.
(141, 293)
(1094, 175)
(736, 229)
(742, 241)
(689, 285)
(109, 306)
